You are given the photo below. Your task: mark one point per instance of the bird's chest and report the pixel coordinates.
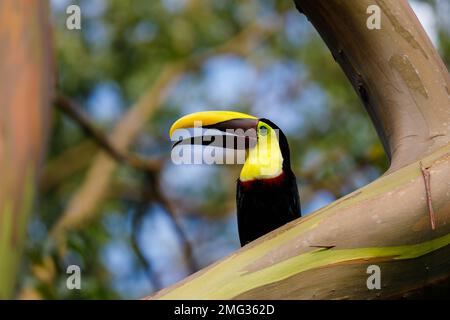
(263, 199)
(262, 206)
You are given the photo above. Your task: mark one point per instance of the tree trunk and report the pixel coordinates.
(401, 221)
(25, 82)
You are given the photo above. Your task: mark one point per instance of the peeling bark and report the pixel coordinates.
(426, 178)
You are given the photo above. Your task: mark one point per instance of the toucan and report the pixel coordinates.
(267, 195)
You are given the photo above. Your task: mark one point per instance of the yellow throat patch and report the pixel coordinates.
(264, 161)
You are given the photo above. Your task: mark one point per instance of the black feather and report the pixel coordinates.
(266, 204)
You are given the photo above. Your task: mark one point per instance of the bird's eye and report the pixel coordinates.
(263, 131)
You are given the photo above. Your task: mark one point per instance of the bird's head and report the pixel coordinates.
(267, 146)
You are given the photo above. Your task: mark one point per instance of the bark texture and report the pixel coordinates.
(25, 82)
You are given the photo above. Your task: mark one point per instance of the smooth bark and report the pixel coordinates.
(25, 91)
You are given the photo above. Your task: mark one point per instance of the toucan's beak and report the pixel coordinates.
(216, 120)
(226, 121)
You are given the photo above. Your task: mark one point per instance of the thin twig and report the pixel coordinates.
(152, 193)
(427, 177)
(185, 243)
(75, 112)
(140, 211)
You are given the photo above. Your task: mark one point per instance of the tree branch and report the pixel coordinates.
(325, 255)
(75, 112)
(140, 211)
(396, 71)
(62, 166)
